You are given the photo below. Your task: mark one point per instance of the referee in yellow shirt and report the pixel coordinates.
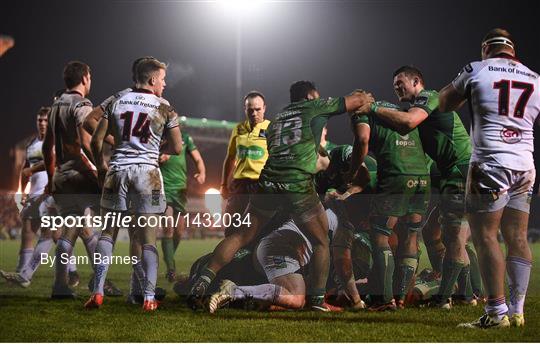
(246, 155)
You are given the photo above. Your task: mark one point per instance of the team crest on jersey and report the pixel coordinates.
(511, 135)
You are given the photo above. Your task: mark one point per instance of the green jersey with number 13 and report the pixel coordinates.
(294, 137)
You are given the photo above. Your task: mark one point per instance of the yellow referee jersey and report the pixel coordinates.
(248, 145)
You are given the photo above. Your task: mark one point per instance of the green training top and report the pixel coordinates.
(443, 135)
(174, 170)
(294, 137)
(395, 154)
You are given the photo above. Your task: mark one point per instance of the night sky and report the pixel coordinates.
(339, 45)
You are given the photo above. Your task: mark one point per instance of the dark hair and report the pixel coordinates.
(43, 111)
(136, 64)
(300, 90)
(74, 72)
(146, 67)
(254, 94)
(498, 32)
(410, 71)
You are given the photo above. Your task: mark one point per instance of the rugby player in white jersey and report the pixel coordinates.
(71, 176)
(34, 206)
(137, 120)
(505, 103)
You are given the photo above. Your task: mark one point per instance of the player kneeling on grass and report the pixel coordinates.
(138, 120)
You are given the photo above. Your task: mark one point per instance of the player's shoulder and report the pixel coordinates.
(80, 101)
(474, 67)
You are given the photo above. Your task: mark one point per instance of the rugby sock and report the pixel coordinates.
(176, 242)
(72, 267)
(263, 292)
(137, 279)
(104, 249)
(383, 265)
(407, 268)
(90, 245)
(518, 273)
(168, 248)
(316, 296)
(436, 250)
(464, 289)
(43, 246)
(150, 261)
(450, 273)
(64, 248)
(476, 277)
(496, 307)
(25, 255)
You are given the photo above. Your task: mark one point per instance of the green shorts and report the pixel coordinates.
(299, 198)
(401, 195)
(452, 195)
(177, 199)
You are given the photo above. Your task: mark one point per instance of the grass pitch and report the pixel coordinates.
(27, 315)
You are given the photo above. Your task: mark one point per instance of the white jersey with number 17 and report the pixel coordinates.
(138, 120)
(504, 96)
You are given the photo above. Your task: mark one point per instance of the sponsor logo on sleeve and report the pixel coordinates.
(421, 100)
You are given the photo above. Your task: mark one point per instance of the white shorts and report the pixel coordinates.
(135, 187)
(278, 254)
(47, 207)
(491, 188)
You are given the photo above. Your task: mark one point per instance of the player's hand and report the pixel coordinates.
(365, 97)
(26, 172)
(224, 190)
(163, 158)
(200, 178)
(364, 109)
(331, 195)
(24, 197)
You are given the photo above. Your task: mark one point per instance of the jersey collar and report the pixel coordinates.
(142, 90)
(506, 56)
(74, 92)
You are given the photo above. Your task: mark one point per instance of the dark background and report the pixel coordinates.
(341, 45)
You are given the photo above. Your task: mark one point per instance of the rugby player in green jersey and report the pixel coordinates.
(446, 141)
(174, 171)
(401, 194)
(287, 181)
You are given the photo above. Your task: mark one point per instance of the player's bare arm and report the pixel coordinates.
(97, 148)
(402, 121)
(200, 176)
(49, 158)
(28, 171)
(91, 122)
(173, 139)
(359, 172)
(450, 99)
(226, 175)
(341, 254)
(357, 99)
